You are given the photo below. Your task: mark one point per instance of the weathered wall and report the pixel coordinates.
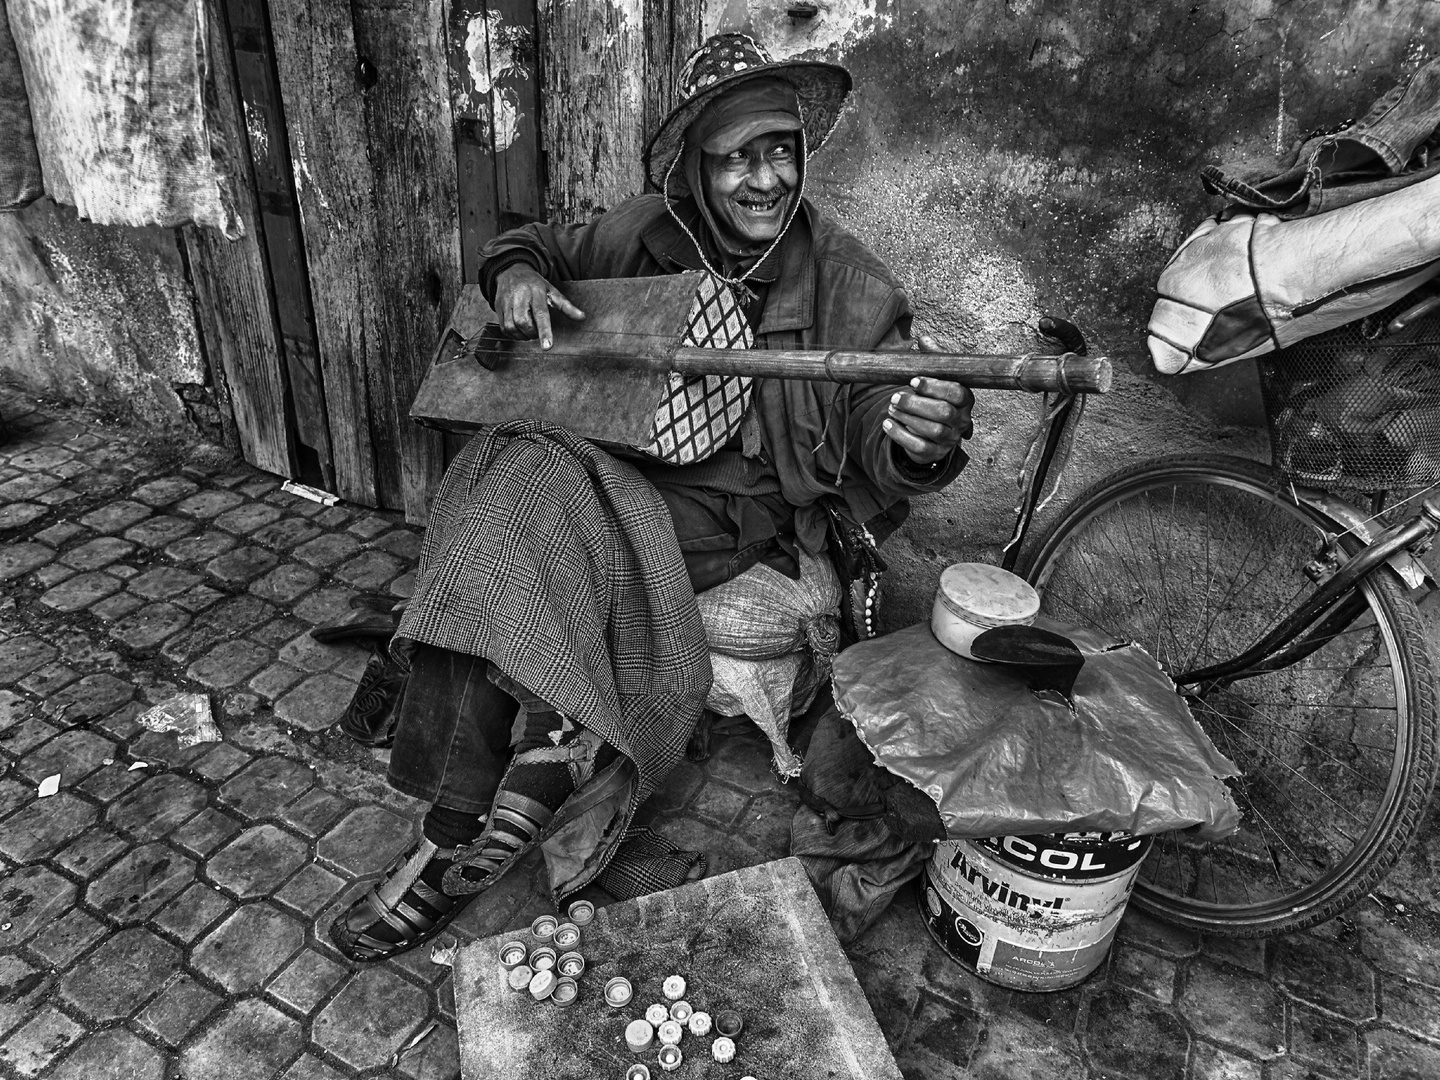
(100, 314)
(1014, 158)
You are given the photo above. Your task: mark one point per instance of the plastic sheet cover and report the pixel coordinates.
(1000, 761)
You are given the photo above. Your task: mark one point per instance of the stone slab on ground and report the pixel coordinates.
(754, 940)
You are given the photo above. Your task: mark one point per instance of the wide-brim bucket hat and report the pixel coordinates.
(727, 60)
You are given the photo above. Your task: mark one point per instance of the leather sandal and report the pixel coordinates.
(401, 902)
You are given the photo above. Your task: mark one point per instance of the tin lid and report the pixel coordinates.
(570, 964)
(671, 1032)
(700, 1023)
(657, 1014)
(565, 992)
(639, 1034)
(986, 595)
(520, 976)
(544, 927)
(542, 985)
(638, 1071)
(722, 1049)
(582, 912)
(512, 954)
(729, 1024)
(670, 1057)
(618, 992)
(680, 1011)
(566, 936)
(674, 987)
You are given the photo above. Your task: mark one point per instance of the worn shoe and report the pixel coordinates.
(371, 716)
(399, 912)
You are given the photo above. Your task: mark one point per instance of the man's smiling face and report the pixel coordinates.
(749, 189)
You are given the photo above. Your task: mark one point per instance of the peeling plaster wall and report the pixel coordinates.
(1015, 158)
(96, 313)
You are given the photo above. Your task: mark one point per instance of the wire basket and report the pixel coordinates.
(1358, 407)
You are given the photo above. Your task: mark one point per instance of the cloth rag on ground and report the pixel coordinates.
(117, 99)
(20, 180)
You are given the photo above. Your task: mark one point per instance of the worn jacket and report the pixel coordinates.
(825, 289)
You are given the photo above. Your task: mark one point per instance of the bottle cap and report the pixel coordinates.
(674, 987)
(542, 958)
(722, 1049)
(565, 992)
(582, 912)
(519, 977)
(728, 1023)
(512, 954)
(670, 1058)
(618, 992)
(670, 1032)
(542, 985)
(638, 1071)
(570, 965)
(544, 927)
(700, 1023)
(639, 1034)
(681, 1012)
(657, 1014)
(566, 936)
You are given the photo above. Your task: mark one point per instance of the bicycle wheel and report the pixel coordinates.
(1196, 558)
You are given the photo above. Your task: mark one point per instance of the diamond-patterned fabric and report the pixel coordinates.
(701, 413)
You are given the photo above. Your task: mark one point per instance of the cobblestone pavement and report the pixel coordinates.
(166, 919)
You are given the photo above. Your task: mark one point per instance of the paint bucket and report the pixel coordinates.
(1031, 912)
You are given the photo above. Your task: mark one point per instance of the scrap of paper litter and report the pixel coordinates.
(305, 491)
(49, 786)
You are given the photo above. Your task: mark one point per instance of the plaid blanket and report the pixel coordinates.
(559, 564)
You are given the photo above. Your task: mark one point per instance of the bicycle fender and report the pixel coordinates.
(1412, 571)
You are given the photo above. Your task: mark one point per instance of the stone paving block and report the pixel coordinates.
(165, 491)
(1410, 1007)
(121, 975)
(1386, 944)
(178, 1011)
(328, 550)
(365, 841)
(97, 553)
(278, 631)
(1393, 1056)
(22, 988)
(285, 583)
(48, 680)
(436, 1058)
(140, 884)
(79, 592)
(1012, 1048)
(1318, 1038)
(317, 702)
(242, 565)
(111, 781)
(159, 532)
(192, 913)
(286, 533)
(115, 1053)
(402, 543)
(13, 794)
(13, 708)
(370, 570)
(1150, 933)
(23, 654)
(332, 517)
(34, 1046)
(939, 1030)
(57, 534)
(255, 489)
(116, 607)
(17, 515)
(17, 560)
(1144, 973)
(27, 486)
(257, 862)
(157, 807)
(371, 1017)
(247, 518)
(248, 947)
(743, 762)
(1128, 1036)
(33, 898)
(253, 1040)
(275, 680)
(1327, 977)
(368, 526)
(44, 826)
(221, 762)
(719, 802)
(228, 663)
(198, 549)
(18, 738)
(404, 585)
(310, 890)
(57, 496)
(323, 605)
(164, 582)
(103, 484)
(73, 754)
(225, 620)
(1235, 1010)
(199, 598)
(116, 516)
(53, 574)
(91, 852)
(208, 504)
(267, 784)
(314, 811)
(307, 981)
(41, 457)
(310, 1067)
(304, 652)
(66, 938)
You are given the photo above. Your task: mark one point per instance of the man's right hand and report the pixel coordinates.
(523, 300)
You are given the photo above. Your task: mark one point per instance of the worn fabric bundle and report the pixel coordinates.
(20, 179)
(117, 100)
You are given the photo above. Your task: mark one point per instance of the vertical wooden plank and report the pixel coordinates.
(515, 112)
(593, 57)
(412, 161)
(233, 288)
(325, 129)
(467, 50)
(673, 31)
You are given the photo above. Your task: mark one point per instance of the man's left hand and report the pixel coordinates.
(929, 419)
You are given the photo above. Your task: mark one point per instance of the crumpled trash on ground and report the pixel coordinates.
(1000, 761)
(188, 715)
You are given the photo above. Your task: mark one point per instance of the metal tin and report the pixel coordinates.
(618, 992)
(570, 964)
(670, 1033)
(674, 987)
(729, 1024)
(512, 954)
(520, 976)
(582, 912)
(639, 1035)
(542, 958)
(722, 1050)
(638, 1071)
(542, 985)
(566, 936)
(681, 1012)
(544, 927)
(699, 1023)
(657, 1014)
(565, 992)
(670, 1058)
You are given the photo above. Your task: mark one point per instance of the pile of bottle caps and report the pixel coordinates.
(549, 966)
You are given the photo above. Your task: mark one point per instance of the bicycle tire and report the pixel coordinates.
(1380, 775)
